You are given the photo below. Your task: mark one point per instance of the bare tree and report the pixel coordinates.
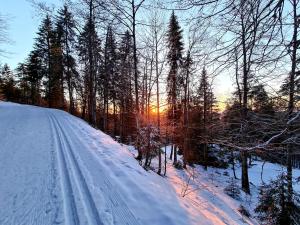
(4, 39)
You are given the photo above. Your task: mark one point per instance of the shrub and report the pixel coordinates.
(233, 190)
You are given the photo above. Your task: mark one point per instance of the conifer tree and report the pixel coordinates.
(65, 26)
(34, 75)
(274, 206)
(21, 73)
(205, 100)
(57, 70)
(175, 47)
(125, 88)
(89, 52)
(260, 100)
(110, 78)
(43, 46)
(7, 83)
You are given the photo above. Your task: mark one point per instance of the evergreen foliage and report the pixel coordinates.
(274, 207)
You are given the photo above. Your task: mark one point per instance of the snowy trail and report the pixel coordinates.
(119, 207)
(56, 169)
(68, 163)
(28, 193)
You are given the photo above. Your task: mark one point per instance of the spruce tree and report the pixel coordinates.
(175, 48)
(260, 100)
(65, 26)
(274, 206)
(7, 87)
(125, 88)
(205, 96)
(110, 77)
(57, 69)
(34, 75)
(43, 46)
(21, 73)
(89, 47)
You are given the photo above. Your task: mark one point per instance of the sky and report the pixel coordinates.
(23, 24)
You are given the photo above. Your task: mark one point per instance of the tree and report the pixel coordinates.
(158, 37)
(7, 83)
(125, 88)
(65, 26)
(24, 86)
(251, 25)
(4, 39)
(34, 74)
(292, 84)
(186, 107)
(152, 52)
(89, 52)
(175, 47)
(43, 47)
(125, 12)
(261, 102)
(274, 205)
(57, 72)
(206, 102)
(110, 79)
(149, 143)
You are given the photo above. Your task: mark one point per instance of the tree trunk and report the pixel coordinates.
(204, 125)
(157, 98)
(115, 119)
(91, 95)
(185, 119)
(291, 103)
(135, 62)
(175, 154)
(245, 179)
(171, 153)
(233, 165)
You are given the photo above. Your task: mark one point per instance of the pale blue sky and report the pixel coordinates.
(23, 24)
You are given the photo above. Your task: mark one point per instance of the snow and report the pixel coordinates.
(202, 192)
(56, 169)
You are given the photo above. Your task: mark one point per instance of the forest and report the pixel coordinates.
(148, 73)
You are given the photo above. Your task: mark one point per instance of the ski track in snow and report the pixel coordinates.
(70, 211)
(67, 161)
(116, 203)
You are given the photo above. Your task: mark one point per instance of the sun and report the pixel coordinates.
(153, 109)
(222, 102)
(162, 109)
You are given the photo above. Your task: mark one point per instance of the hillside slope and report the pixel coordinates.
(56, 169)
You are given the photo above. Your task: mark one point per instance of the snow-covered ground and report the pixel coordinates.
(202, 191)
(56, 169)
(201, 194)
(205, 190)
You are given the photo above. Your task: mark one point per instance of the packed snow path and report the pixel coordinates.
(55, 169)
